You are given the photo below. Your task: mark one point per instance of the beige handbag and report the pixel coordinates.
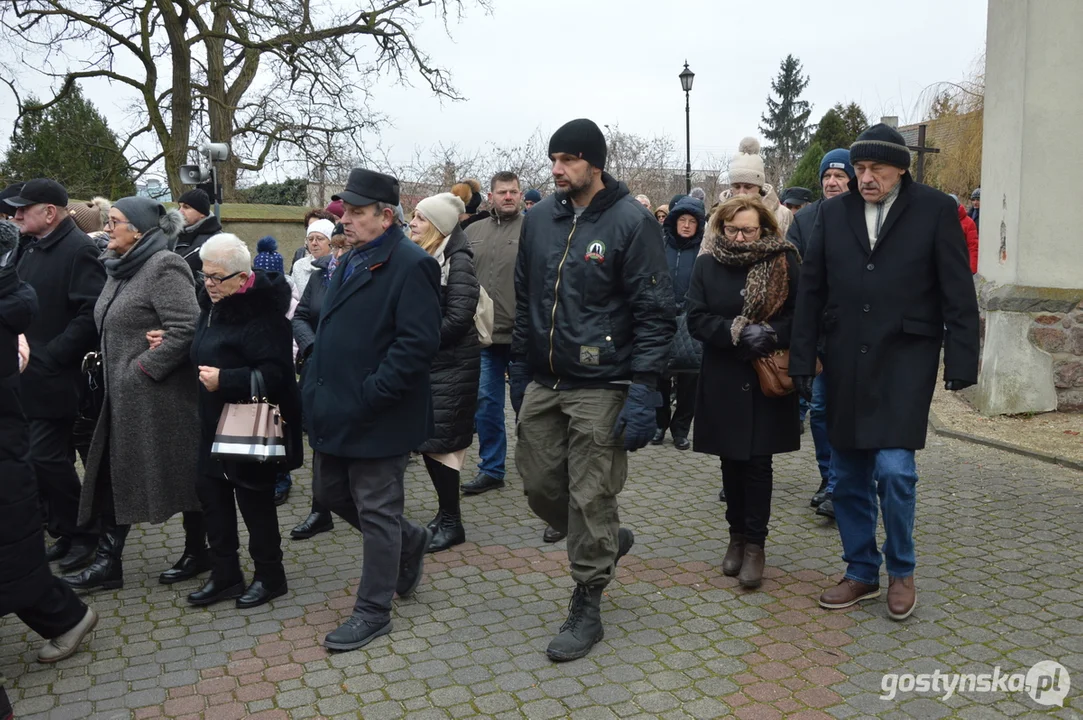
(252, 431)
(484, 317)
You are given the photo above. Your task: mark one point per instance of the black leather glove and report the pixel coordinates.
(956, 385)
(803, 385)
(756, 341)
(519, 376)
(638, 419)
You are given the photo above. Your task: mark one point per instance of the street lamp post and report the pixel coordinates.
(686, 77)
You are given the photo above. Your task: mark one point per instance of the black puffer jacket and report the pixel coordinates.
(192, 239)
(240, 333)
(457, 365)
(681, 252)
(593, 295)
(24, 574)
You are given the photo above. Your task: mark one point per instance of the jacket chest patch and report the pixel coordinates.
(595, 252)
(589, 355)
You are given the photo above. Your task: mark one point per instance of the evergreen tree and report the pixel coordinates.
(807, 172)
(71, 143)
(785, 124)
(840, 126)
(288, 192)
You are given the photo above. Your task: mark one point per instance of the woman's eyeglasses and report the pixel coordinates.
(731, 231)
(214, 279)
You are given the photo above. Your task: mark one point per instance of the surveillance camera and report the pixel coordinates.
(215, 152)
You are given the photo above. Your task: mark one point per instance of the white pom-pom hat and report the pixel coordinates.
(747, 167)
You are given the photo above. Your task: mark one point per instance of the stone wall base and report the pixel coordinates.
(1032, 352)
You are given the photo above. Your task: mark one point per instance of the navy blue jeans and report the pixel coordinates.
(489, 417)
(865, 481)
(817, 418)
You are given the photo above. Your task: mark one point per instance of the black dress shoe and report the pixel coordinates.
(259, 593)
(681, 443)
(482, 483)
(412, 566)
(355, 633)
(819, 498)
(59, 549)
(314, 524)
(659, 437)
(80, 554)
(213, 591)
(281, 496)
(827, 508)
(189, 565)
(552, 535)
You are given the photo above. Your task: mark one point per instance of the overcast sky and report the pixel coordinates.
(531, 65)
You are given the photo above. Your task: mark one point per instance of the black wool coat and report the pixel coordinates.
(240, 333)
(67, 276)
(457, 366)
(883, 311)
(734, 419)
(306, 316)
(24, 574)
(366, 387)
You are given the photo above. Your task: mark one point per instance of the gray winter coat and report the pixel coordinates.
(149, 424)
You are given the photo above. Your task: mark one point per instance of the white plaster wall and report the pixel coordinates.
(1032, 156)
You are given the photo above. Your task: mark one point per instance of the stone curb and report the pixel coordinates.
(941, 429)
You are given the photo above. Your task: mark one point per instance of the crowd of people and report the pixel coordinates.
(607, 323)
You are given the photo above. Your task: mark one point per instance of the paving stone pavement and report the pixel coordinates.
(999, 569)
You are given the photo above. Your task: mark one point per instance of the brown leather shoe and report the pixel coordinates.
(751, 574)
(848, 592)
(902, 597)
(735, 553)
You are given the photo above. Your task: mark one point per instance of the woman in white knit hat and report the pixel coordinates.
(747, 177)
(318, 244)
(456, 369)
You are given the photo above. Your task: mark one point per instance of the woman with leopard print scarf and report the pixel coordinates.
(740, 304)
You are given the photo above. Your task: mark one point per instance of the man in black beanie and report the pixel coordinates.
(887, 269)
(593, 325)
(199, 226)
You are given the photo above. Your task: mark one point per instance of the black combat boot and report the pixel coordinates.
(583, 627)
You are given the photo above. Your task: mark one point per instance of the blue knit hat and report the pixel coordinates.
(839, 158)
(532, 196)
(269, 262)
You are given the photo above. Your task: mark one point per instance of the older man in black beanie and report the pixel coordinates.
(199, 226)
(886, 271)
(594, 319)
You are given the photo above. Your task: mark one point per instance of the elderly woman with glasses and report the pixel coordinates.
(141, 466)
(740, 305)
(243, 328)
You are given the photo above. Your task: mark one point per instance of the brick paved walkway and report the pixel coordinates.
(1000, 564)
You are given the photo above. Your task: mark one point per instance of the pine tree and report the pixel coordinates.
(806, 173)
(840, 126)
(785, 123)
(71, 143)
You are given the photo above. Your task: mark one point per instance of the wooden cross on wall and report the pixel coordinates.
(921, 150)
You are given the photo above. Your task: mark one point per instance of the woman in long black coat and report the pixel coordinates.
(27, 587)
(740, 305)
(306, 318)
(456, 369)
(242, 328)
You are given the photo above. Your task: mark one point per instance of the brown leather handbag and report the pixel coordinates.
(774, 373)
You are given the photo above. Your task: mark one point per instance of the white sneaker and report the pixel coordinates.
(65, 646)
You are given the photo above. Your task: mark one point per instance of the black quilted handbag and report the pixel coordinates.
(686, 353)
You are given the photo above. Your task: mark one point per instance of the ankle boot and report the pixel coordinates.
(735, 553)
(449, 532)
(107, 570)
(751, 574)
(582, 629)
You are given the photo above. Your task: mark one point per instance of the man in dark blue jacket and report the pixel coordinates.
(594, 320)
(367, 398)
(836, 172)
